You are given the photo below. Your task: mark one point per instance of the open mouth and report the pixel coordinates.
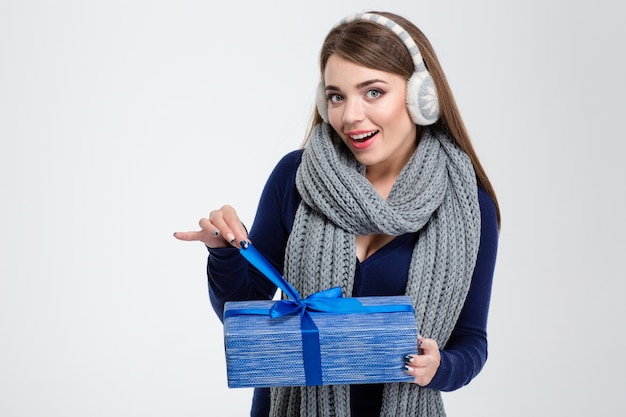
(363, 137)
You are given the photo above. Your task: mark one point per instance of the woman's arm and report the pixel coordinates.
(230, 276)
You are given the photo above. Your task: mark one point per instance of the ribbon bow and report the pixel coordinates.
(324, 301)
(330, 300)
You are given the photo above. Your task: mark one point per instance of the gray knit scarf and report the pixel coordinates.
(435, 194)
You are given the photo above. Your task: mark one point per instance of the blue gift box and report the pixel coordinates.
(324, 339)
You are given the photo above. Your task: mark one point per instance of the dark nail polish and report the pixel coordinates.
(405, 368)
(408, 359)
(244, 244)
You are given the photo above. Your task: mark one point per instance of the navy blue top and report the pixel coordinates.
(231, 278)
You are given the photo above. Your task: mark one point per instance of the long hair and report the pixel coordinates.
(374, 46)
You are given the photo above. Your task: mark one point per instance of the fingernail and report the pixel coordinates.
(420, 343)
(408, 359)
(231, 239)
(216, 232)
(406, 368)
(244, 244)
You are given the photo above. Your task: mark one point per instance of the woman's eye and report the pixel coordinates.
(334, 98)
(374, 93)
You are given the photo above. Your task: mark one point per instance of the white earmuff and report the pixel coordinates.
(321, 101)
(421, 94)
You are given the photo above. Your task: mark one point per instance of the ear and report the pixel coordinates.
(321, 101)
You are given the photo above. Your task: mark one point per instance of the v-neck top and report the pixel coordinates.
(391, 260)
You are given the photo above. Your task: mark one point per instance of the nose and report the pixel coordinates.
(352, 111)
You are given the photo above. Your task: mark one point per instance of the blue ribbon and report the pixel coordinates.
(330, 300)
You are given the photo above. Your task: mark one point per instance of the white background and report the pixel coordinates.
(124, 121)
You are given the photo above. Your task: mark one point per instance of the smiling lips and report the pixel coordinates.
(360, 139)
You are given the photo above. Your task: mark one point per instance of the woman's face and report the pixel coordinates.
(367, 108)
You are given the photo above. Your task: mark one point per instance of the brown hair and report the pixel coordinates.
(374, 46)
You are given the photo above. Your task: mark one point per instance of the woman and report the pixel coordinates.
(387, 198)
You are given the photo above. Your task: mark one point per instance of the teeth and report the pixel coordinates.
(362, 136)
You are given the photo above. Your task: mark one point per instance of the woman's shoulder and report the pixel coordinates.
(488, 209)
(485, 200)
(287, 166)
(284, 172)
(489, 229)
(291, 159)
(280, 194)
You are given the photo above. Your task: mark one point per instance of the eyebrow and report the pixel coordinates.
(359, 85)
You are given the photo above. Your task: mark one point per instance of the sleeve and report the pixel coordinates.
(465, 354)
(230, 276)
